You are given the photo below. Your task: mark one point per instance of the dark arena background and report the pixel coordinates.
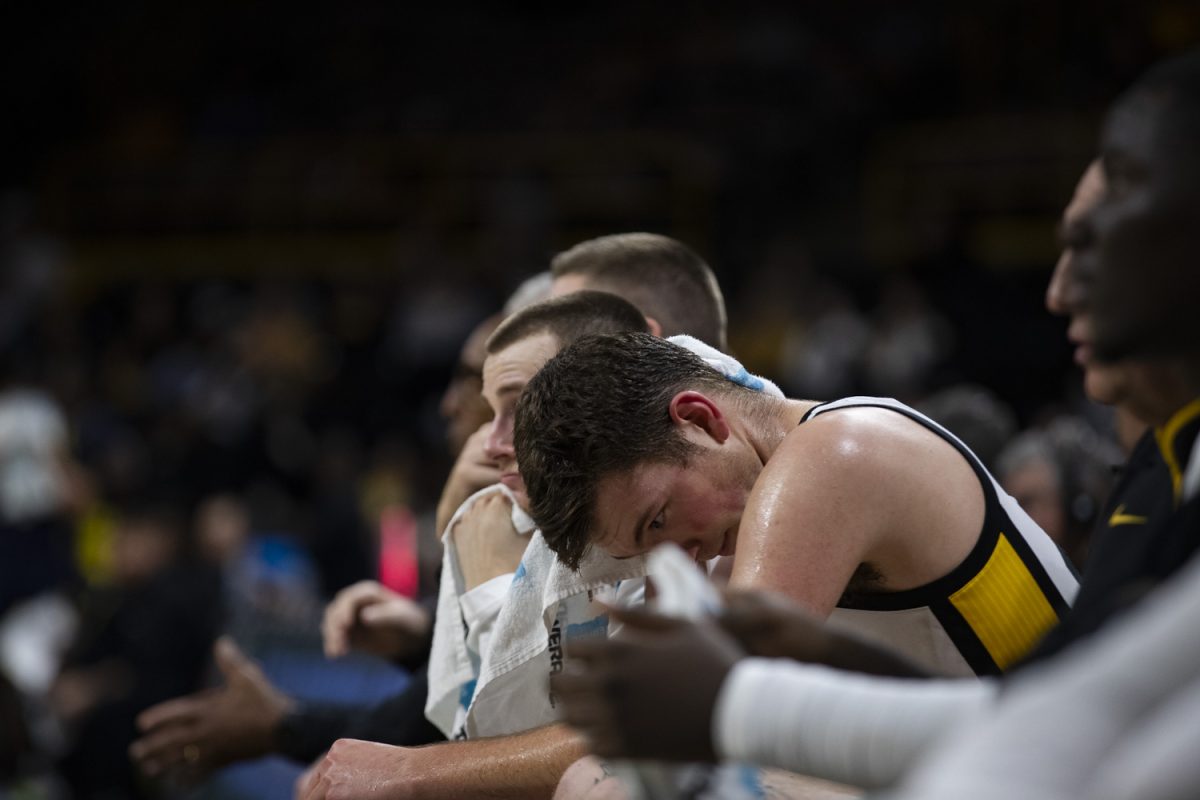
(242, 243)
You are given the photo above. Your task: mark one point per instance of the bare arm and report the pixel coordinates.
(524, 765)
(851, 488)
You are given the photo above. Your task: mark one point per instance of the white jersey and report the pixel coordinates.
(991, 609)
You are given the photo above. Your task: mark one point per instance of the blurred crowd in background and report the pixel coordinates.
(241, 247)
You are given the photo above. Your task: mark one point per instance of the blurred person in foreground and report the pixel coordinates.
(1116, 719)
(1139, 547)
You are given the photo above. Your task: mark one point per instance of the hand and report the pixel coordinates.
(195, 734)
(472, 471)
(78, 690)
(358, 770)
(772, 626)
(370, 617)
(486, 542)
(650, 691)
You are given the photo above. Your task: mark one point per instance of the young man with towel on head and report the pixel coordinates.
(860, 509)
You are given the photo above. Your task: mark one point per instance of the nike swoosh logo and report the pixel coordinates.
(1119, 517)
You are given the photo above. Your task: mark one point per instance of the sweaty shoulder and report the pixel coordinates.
(914, 502)
(858, 439)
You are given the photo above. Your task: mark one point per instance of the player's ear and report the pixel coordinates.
(696, 411)
(654, 326)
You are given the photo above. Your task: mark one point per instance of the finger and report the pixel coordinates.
(586, 714)
(643, 619)
(342, 614)
(320, 789)
(606, 744)
(180, 711)
(230, 659)
(572, 685)
(307, 779)
(589, 651)
(161, 750)
(400, 612)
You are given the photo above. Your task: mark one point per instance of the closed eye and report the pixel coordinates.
(640, 538)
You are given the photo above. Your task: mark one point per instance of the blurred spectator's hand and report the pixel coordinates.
(487, 543)
(194, 735)
(472, 471)
(78, 690)
(362, 770)
(370, 617)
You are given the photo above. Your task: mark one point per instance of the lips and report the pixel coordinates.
(1079, 335)
(513, 481)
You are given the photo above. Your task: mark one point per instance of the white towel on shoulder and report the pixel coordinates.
(453, 665)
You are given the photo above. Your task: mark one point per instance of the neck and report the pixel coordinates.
(780, 418)
(1165, 387)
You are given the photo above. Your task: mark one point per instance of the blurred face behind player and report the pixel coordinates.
(505, 374)
(1104, 382)
(1141, 275)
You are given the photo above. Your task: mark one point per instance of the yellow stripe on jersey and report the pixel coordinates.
(1004, 606)
(1165, 436)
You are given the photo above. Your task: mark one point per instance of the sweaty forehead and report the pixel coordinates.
(519, 362)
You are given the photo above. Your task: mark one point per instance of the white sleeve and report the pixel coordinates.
(1156, 758)
(480, 609)
(1060, 721)
(840, 726)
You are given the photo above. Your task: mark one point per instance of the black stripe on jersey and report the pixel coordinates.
(934, 592)
(964, 638)
(1039, 573)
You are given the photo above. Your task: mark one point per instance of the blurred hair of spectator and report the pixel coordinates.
(1061, 475)
(976, 415)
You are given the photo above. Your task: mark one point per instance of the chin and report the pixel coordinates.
(1104, 385)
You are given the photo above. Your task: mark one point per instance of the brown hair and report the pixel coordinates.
(569, 318)
(661, 276)
(598, 408)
